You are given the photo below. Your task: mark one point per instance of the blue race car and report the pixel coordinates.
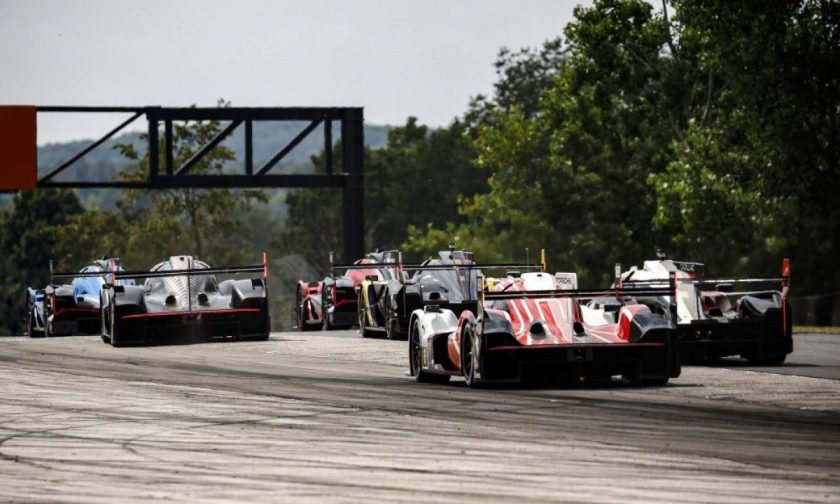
(62, 309)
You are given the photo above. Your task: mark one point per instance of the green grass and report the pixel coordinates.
(816, 329)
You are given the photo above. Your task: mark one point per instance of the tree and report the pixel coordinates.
(30, 227)
(415, 180)
(571, 175)
(764, 149)
(150, 225)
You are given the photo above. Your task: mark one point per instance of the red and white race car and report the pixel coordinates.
(538, 326)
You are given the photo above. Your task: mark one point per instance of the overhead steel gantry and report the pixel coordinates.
(163, 173)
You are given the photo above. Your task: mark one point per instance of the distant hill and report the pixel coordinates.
(104, 162)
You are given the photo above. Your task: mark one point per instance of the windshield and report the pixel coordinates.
(457, 284)
(92, 285)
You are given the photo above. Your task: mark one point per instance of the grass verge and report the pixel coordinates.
(798, 329)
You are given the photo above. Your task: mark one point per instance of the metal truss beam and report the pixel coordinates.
(351, 179)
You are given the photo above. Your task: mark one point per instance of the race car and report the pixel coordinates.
(385, 304)
(332, 302)
(69, 309)
(182, 300)
(378, 306)
(537, 326)
(715, 320)
(450, 280)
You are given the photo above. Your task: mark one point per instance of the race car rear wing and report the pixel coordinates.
(668, 290)
(70, 276)
(663, 289)
(233, 270)
(390, 261)
(466, 263)
(115, 275)
(725, 285)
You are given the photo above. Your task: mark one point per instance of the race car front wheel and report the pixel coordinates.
(415, 360)
(470, 358)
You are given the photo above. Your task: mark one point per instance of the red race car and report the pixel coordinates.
(538, 326)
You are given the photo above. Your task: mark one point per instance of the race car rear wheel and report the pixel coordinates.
(635, 377)
(303, 322)
(115, 341)
(30, 325)
(103, 326)
(470, 358)
(415, 360)
(392, 325)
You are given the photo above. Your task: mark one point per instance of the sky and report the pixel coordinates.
(394, 58)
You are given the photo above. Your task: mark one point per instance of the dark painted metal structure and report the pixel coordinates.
(163, 174)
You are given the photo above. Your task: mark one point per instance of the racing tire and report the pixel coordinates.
(392, 326)
(115, 342)
(415, 360)
(636, 379)
(469, 360)
(30, 326)
(302, 324)
(767, 360)
(103, 331)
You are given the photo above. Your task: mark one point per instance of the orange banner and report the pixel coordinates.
(18, 150)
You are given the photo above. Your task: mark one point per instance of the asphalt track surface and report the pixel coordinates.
(815, 355)
(332, 417)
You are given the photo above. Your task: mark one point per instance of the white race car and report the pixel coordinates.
(714, 319)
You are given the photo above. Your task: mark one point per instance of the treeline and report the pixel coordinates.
(708, 129)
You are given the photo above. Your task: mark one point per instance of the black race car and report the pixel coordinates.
(449, 281)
